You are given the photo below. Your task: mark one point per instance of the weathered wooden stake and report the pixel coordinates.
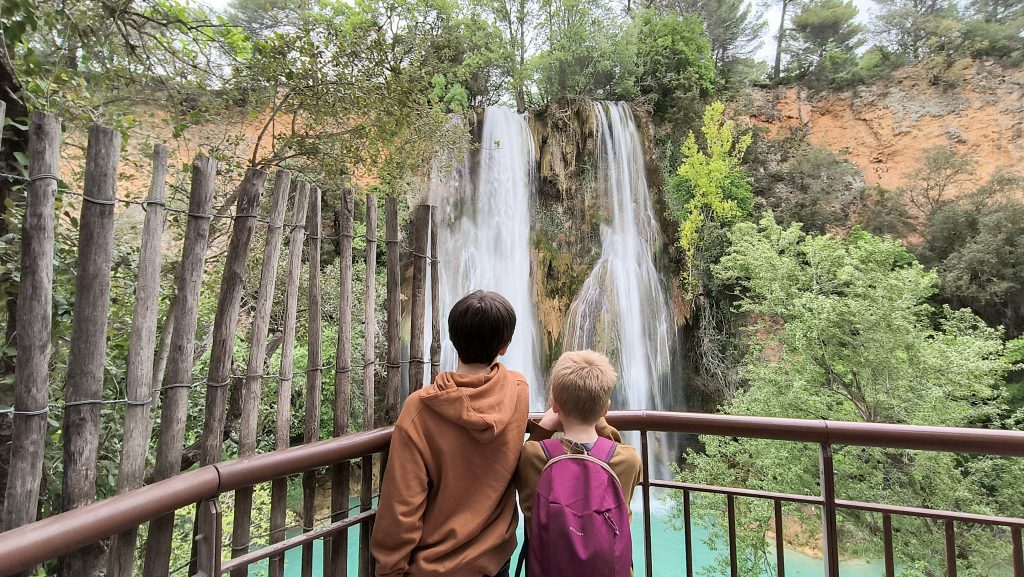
(32, 371)
(139, 385)
(225, 322)
(314, 372)
(435, 299)
(83, 389)
(341, 472)
(250, 393)
(420, 237)
(279, 487)
(369, 370)
(393, 393)
(225, 326)
(178, 378)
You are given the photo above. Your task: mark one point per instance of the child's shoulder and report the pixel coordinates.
(626, 454)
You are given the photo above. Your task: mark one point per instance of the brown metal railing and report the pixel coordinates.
(59, 535)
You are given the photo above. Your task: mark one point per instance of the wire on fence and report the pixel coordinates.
(143, 203)
(57, 407)
(213, 215)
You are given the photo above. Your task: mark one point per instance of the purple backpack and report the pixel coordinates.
(580, 522)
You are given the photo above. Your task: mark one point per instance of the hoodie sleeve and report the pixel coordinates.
(403, 497)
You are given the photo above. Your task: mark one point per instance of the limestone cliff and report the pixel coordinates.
(885, 127)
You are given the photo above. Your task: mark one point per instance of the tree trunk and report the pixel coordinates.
(781, 37)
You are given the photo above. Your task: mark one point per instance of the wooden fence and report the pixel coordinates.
(166, 380)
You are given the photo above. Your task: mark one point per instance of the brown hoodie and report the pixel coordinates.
(447, 504)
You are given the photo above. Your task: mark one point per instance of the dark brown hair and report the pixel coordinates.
(480, 325)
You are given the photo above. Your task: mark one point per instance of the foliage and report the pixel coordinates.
(712, 186)
(583, 55)
(801, 182)
(845, 331)
(824, 41)
(734, 29)
(675, 70)
(976, 244)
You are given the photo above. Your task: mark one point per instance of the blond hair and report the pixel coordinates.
(581, 384)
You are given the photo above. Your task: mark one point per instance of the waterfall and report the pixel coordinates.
(622, 308)
(484, 235)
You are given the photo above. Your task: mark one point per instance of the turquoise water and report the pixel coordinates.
(666, 542)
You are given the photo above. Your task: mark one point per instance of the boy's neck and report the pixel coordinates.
(473, 368)
(579, 432)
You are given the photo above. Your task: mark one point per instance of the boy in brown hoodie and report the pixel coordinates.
(447, 503)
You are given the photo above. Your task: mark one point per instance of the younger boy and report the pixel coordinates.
(581, 389)
(447, 503)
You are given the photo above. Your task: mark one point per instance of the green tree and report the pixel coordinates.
(675, 69)
(975, 242)
(824, 42)
(584, 54)
(734, 28)
(804, 183)
(708, 194)
(845, 331)
(515, 20)
(712, 186)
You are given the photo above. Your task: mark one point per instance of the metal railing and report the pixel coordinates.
(33, 544)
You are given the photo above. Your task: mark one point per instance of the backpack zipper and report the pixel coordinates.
(611, 523)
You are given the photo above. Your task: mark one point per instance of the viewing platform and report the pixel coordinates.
(39, 542)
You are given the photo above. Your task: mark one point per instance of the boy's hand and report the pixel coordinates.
(551, 421)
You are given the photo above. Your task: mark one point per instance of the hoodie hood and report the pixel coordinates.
(479, 403)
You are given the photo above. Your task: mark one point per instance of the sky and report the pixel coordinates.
(766, 52)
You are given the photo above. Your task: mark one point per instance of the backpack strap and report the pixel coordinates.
(604, 449)
(552, 448)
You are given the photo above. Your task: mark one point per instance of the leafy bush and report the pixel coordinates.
(801, 182)
(846, 331)
(675, 71)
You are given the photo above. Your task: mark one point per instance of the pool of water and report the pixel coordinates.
(666, 542)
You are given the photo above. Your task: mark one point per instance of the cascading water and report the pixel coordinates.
(484, 235)
(623, 309)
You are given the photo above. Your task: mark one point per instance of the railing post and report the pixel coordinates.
(780, 542)
(950, 549)
(829, 530)
(649, 562)
(890, 565)
(688, 525)
(730, 504)
(1018, 552)
(208, 540)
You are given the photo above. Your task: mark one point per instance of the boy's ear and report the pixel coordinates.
(555, 407)
(503, 350)
(607, 408)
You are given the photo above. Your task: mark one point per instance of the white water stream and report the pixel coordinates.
(484, 235)
(484, 218)
(623, 309)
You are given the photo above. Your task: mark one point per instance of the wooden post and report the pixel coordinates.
(420, 236)
(314, 373)
(32, 371)
(435, 300)
(250, 393)
(139, 385)
(83, 388)
(226, 321)
(393, 393)
(369, 369)
(178, 378)
(279, 487)
(341, 472)
(225, 326)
